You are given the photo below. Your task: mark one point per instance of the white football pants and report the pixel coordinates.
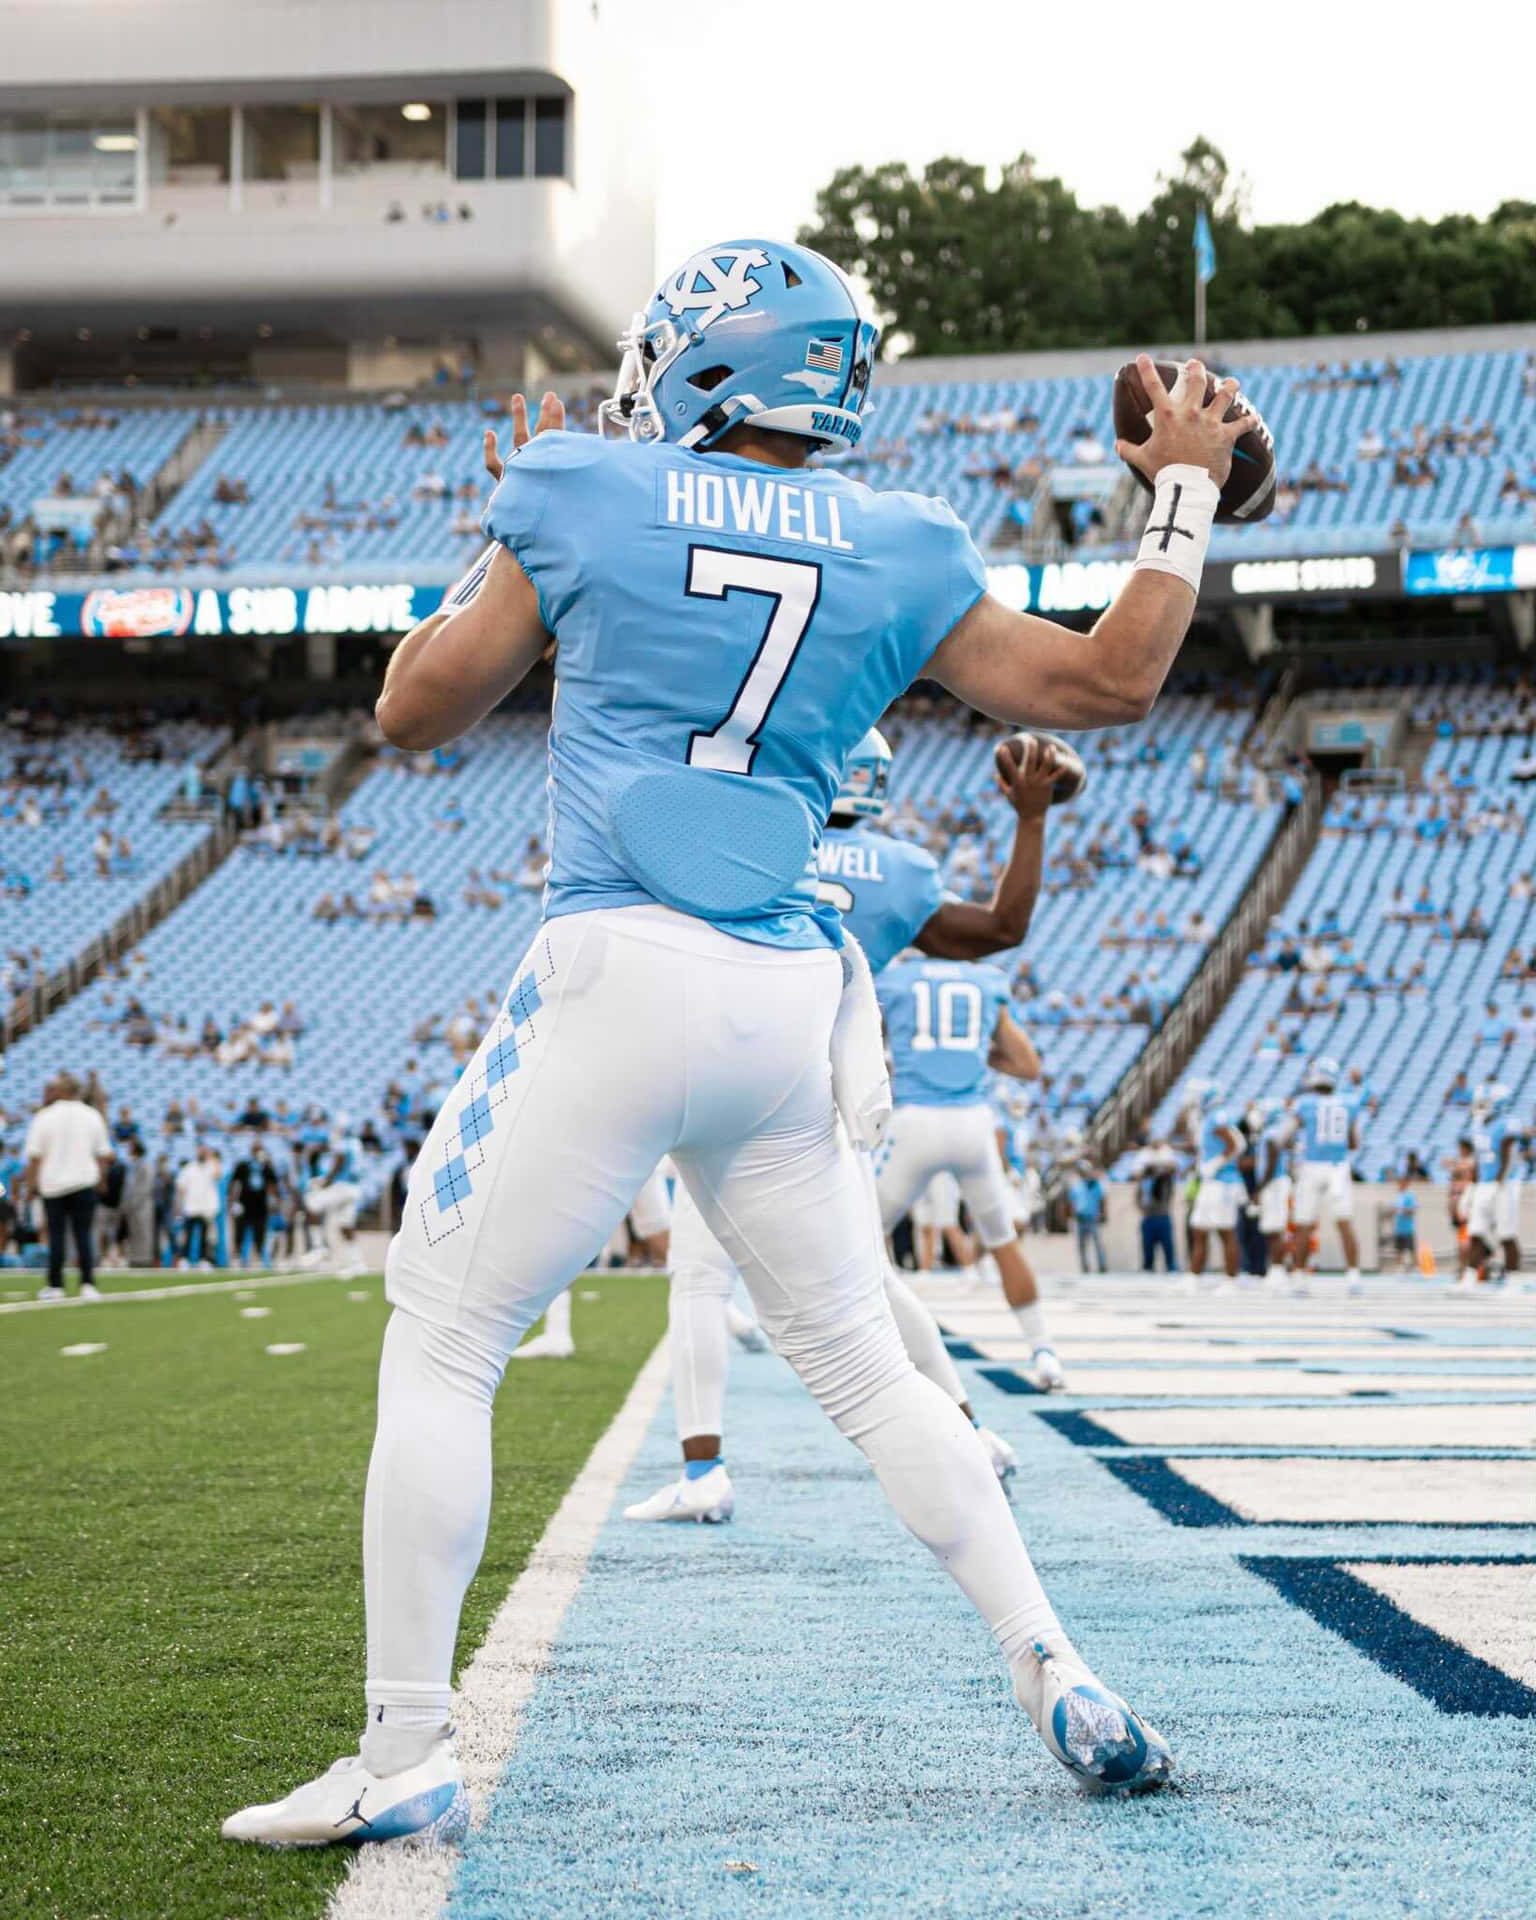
(703, 1280)
(923, 1141)
(629, 1033)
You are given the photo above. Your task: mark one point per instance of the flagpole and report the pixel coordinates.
(1199, 284)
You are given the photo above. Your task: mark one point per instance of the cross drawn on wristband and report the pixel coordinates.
(1172, 527)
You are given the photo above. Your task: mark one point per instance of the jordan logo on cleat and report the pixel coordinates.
(1172, 527)
(355, 1812)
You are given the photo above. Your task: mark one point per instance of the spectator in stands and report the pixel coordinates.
(1474, 927)
(535, 865)
(1458, 1093)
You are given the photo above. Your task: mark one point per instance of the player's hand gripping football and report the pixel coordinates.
(551, 418)
(1187, 429)
(1037, 771)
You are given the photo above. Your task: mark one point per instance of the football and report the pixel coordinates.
(1249, 490)
(1073, 776)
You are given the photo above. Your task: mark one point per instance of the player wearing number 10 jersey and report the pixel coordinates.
(729, 623)
(948, 1024)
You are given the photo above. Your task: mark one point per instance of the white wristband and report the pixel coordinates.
(470, 585)
(1179, 526)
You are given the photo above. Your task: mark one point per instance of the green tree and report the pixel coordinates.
(963, 264)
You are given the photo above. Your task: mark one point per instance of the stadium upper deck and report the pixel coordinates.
(1389, 449)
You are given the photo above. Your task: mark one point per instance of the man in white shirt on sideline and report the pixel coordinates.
(197, 1204)
(67, 1155)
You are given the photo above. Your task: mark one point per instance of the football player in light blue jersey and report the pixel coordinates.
(948, 1025)
(729, 623)
(1493, 1218)
(1221, 1189)
(887, 894)
(1327, 1131)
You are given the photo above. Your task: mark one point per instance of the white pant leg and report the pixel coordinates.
(698, 1338)
(1483, 1214)
(938, 1205)
(1275, 1204)
(1507, 1211)
(979, 1170)
(790, 1208)
(650, 1212)
(923, 1141)
(1215, 1208)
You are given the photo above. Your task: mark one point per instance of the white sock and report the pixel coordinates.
(1031, 1323)
(921, 1337)
(424, 1521)
(933, 1468)
(698, 1343)
(557, 1317)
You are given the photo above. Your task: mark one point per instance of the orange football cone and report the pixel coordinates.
(1426, 1260)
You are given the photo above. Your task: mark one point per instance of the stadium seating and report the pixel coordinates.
(361, 988)
(357, 485)
(1105, 952)
(59, 916)
(1410, 1041)
(84, 445)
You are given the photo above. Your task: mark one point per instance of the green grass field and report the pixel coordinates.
(179, 1564)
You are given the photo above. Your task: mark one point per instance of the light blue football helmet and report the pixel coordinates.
(861, 795)
(751, 330)
(1323, 1075)
(1210, 1093)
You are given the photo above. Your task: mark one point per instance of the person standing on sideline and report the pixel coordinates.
(67, 1155)
(139, 1206)
(197, 1205)
(1156, 1168)
(1087, 1197)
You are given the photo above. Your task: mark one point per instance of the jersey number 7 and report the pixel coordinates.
(794, 587)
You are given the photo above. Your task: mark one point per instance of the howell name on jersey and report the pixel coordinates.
(746, 503)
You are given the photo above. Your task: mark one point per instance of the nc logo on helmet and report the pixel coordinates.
(712, 284)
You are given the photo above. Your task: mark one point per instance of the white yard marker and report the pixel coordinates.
(281, 1347)
(255, 1313)
(83, 1346)
(413, 1883)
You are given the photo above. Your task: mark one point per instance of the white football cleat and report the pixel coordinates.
(88, 1291)
(545, 1347)
(1046, 1374)
(744, 1329)
(710, 1498)
(349, 1806)
(1277, 1280)
(1004, 1459)
(1091, 1731)
(50, 1293)
(1467, 1282)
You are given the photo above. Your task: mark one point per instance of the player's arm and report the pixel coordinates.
(1507, 1148)
(459, 663)
(1012, 1051)
(969, 930)
(1032, 672)
(452, 668)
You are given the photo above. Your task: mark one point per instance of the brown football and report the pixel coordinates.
(1249, 492)
(1073, 775)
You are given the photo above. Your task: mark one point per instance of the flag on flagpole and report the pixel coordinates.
(1205, 248)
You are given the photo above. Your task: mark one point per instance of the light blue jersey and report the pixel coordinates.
(1488, 1144)
(886, 890)
(1214, 1127)
(727, 633)
(1327, 1121)
(940, 1016)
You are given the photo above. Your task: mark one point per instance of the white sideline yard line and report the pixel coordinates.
(402, 1882)
(254, 1281)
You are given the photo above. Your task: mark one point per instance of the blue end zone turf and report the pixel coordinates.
(798, 1718)
(1450, 1677)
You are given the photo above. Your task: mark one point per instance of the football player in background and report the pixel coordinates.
(1221, 1191)
(948, 1024)
(887, 894)
(729, 626)
(1326, 1132)
(1493, 1217)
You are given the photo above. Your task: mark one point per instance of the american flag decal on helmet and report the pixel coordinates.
(826, 356)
